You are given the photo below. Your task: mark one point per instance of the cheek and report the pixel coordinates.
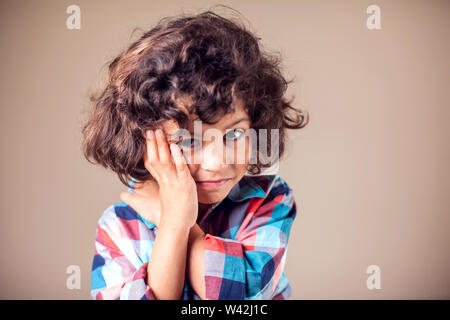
(192, 168)
(238, 153)
(240, 169)
(243, 150)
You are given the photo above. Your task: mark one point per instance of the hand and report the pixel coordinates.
(177, 189)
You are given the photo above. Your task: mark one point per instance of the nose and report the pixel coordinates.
(212, 156)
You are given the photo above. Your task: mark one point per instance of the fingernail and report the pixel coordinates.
(159, 133)
(150, 134)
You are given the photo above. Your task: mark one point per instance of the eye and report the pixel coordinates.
(234, 134)
(188, 143)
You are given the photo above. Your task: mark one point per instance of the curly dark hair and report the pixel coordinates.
(212, 60)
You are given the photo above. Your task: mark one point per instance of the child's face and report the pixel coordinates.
(207, 162)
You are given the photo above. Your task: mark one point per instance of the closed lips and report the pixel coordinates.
(212, 181)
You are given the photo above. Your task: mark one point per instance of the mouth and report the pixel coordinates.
(212, 184)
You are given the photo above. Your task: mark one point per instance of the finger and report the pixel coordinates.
(163, 148)
(152, 147)
(151, 156)
(180, 161)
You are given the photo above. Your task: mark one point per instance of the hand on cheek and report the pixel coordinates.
(177, 188)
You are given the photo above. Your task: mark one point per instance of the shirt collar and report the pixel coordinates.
(246, 188)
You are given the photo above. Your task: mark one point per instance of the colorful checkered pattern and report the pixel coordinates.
(245, 246)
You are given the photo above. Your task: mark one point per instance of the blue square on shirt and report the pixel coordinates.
(231, 290)
(234, 268)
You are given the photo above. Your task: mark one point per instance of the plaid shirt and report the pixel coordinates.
(245, 246)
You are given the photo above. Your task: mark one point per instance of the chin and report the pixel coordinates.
(210, 199)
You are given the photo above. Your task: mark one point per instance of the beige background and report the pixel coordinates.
(370, 172)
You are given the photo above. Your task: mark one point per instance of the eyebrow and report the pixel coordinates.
(237, 121)
(174, 139)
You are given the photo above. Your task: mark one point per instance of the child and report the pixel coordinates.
(187, 229)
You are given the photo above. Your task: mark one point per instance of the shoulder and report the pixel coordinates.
(270, 184)
(270, 187)
(121, 220)
(117, 213)
(263, 186)
(123, 234)
(271, 208)
(270, 195)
